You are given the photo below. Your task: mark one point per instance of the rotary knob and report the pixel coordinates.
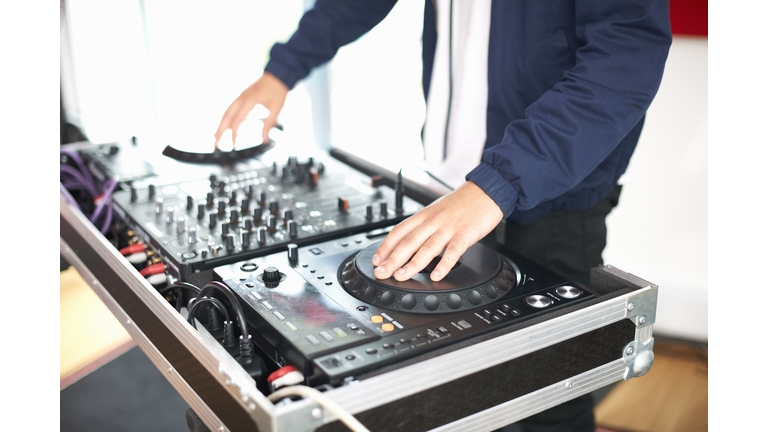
(271, 277)
(200, 211)
(293, 229)
(169, 218)
(274, 207)
(293, 253)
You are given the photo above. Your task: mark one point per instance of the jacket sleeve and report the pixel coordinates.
(329, 25)
(576, 124)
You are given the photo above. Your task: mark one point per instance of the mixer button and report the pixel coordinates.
(339, 332)
(431, 302)
(387, 327)
(387, 298)
(408, 301)
(313, 340)
(474, 297)
(376, 319)
(568, 291)
(388, 346)
(327, 336)
(371, 351)
(405, 341)
(350, 357)
(291, 326)
(538, 301)
(454, 301)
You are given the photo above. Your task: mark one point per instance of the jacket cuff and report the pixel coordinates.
(495, 186)
(284, 73)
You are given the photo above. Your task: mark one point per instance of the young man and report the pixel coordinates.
(533, 111)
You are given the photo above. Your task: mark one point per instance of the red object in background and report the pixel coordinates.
(689, 17)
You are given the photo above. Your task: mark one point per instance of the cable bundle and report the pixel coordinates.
(79, 179)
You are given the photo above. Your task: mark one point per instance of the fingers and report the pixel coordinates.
(450, 225)
(391, 262)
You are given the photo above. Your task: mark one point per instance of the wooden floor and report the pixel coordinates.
(671, 397)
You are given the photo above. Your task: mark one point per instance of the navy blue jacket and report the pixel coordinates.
(569, 84)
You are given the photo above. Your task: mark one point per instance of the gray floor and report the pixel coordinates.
(127, 394)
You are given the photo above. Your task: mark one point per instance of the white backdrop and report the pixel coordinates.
(176, 72)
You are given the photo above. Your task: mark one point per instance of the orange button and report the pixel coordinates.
(387, 327)
(376, 319)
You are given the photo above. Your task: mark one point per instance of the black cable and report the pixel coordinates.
(179, 286)
(196, 306)
(227, 291)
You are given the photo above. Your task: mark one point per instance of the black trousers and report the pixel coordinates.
(569, 243)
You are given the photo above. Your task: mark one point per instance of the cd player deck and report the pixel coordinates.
(319, 309)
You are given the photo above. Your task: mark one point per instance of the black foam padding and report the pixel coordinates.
(217, 157)
(604, 283)
(468, 395)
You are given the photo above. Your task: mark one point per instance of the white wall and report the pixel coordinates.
(198, 58)
(659, 230)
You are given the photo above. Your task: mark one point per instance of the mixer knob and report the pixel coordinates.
(383, 209)
(225, 228)
(343, 204)
(169, 214)
(274, 167)
(257, 212)
(262, 198)
(320, 167)
(212, 178)
(209, 199)
(233, 197)
(272, 223)
(288, 215)
(293, 253)
(274, 207)
(158, 206)
(314, 177)
(248, 224)
(229, 242)
(134, 194)
(293, 229)
(369, 212)
(261, 235)
(190, 203)
(246, 238)
(192, 235)
(181, 224)
(293, 162)
(200, 211)
(271, 275)
(212, 220)
(234, 215)
(151, 191)
(222, 207)
(245, 205)
(251, 190)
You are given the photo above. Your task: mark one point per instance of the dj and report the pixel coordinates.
(533, 111)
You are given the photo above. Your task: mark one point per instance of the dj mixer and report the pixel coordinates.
(266, 284)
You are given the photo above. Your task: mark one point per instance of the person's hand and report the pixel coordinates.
(452, 223)
(268, 91)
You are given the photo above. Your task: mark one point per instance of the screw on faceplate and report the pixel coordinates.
(317, 413)
(630, 350)
(568, 384)
(642, 320)
(630, 306)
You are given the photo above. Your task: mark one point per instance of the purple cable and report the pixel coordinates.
(66, 169)
(79, 161)
(106, 200)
